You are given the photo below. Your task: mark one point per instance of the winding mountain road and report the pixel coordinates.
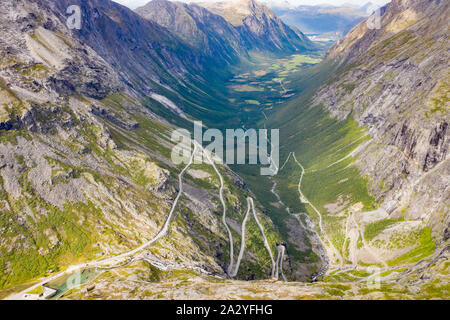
(224, 212)
(251, 205)
(266, 243)
(279, 263)
(277, 266)
(243, 239)
(303, 199)
(115, 259)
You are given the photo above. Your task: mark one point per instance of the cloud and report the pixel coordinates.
(133, 4)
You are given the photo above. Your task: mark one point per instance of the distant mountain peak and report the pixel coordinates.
(235, 11)
(260, 26)
(226, 29)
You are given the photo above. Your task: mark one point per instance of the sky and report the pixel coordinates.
(136, 3)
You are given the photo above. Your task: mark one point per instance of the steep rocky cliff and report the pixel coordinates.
(209, 33)
(144, 53)
(260, 27)
(394, 80)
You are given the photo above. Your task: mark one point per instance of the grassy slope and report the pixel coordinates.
(318, 141)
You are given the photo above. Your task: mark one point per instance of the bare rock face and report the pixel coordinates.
(208, 33)
(144, 52)
(395, 81)
(259, 26)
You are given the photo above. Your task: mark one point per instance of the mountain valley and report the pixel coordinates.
(93, 207)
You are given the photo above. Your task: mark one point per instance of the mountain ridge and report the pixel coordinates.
(260, 25)
(207, 32)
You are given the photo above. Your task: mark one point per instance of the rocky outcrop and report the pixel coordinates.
(102, 112)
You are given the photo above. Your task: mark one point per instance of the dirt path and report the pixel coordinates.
(351, 154)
